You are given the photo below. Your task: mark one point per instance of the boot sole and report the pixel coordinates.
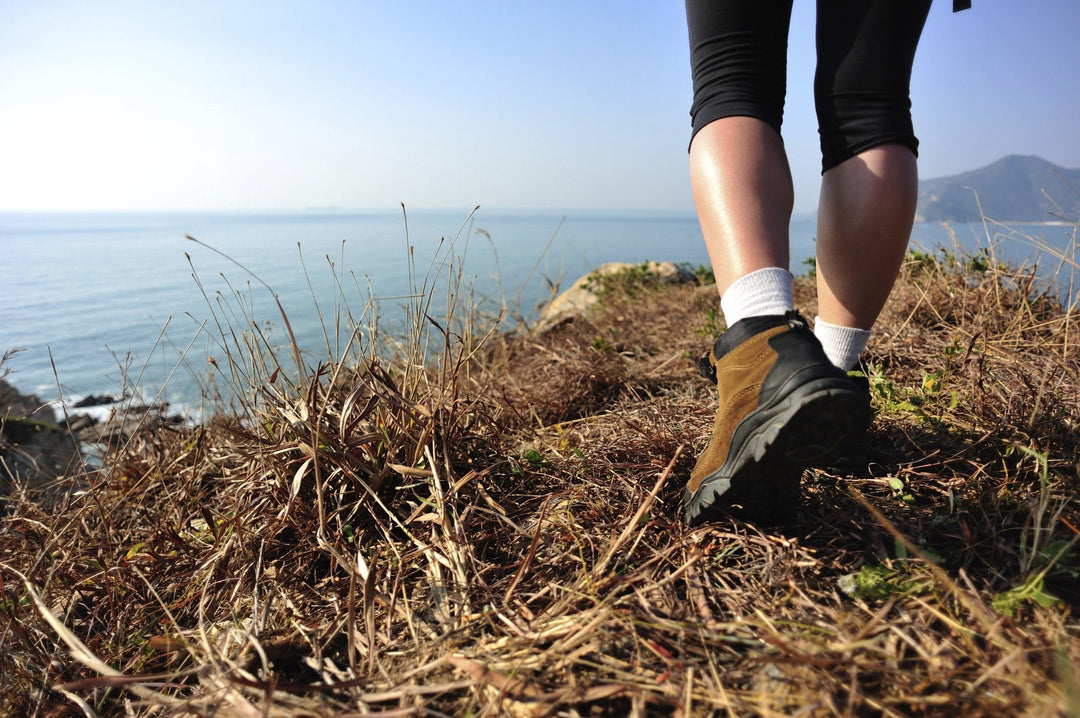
(771, 448)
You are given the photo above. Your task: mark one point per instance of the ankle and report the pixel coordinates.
(843, 345)
(763, 292)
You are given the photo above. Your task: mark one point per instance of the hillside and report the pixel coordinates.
(486, 523)
(1013, 189)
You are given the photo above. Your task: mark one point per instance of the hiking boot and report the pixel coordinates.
(852, 455)
(783, 407)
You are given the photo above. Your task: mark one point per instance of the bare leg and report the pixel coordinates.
(743, 194)
(865, 214)
(783, 404)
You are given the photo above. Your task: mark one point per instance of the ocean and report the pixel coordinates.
(105, 304)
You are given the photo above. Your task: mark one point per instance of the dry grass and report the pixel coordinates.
(486, 524)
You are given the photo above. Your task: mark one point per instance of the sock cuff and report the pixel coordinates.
(843, 345)
(762, 292)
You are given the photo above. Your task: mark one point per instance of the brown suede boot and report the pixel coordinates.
(783, 407)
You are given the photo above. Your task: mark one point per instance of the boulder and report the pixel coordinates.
(576, 300)
(34, 449)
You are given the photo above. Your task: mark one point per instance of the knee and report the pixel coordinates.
(852, 123)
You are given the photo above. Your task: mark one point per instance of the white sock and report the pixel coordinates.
(843, 345)
(766, 291)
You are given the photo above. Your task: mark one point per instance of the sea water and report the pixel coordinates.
(118, 303)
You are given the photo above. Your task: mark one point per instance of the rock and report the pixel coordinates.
(576, 300)
(37, 447)
(12, 403)
(80, 422)
(34, 449)
(115, 430)
(95, 400)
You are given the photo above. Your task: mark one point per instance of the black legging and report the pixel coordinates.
(865, 48)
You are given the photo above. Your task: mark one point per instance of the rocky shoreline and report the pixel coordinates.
(39, 444)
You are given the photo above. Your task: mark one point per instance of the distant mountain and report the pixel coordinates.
(1011, 189)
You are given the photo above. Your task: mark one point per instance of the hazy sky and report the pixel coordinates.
(565, 104)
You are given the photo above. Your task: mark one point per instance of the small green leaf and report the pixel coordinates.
(533, 458)
(900, 549)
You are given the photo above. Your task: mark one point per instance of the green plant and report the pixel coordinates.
(703, 273)
(1032, 591)
(534, 459)
(630, 281)
(874, 582)
(923, 401)
(900, 490)
(714, 323)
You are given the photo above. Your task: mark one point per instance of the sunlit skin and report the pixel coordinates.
(743, 193)
(865, 214)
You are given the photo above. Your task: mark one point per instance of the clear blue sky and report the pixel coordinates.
(563, 104)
